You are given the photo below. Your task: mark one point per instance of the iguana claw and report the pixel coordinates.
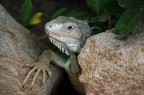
(39, 66)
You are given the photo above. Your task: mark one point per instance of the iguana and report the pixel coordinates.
(69, 35)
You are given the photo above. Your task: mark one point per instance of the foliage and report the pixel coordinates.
(58, 12)
(104, 8)
(26, 10)
(35, 19)
(131, 13)
(28, 19)
(130, 18)
(78, 13)
(123, 15)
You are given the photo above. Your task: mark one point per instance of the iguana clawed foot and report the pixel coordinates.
(41, 66)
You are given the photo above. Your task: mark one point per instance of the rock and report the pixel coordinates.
(18, 47)
(113, 67)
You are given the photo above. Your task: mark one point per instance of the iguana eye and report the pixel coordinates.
(50, 25)
(69, 27)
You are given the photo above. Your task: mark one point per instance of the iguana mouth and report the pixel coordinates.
(62, 47)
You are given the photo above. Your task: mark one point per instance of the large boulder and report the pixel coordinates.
(18, 47)
(113, 67)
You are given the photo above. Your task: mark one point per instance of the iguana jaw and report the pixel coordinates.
(60, 45)
(64, 43)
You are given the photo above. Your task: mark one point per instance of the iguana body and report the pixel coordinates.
(69, 35)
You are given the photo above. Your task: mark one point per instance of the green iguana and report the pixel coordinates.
(69, 35)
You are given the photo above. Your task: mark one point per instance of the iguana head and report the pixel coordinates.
(68, 33)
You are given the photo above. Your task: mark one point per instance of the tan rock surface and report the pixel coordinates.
(18, 47)
(112, 67)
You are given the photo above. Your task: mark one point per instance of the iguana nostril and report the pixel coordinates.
(46, 30)
(70, 27)
(50, 26)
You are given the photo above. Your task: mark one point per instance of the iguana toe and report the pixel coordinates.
(37, 68)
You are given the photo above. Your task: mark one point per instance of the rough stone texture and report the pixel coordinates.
(18, 47)
(112, 67)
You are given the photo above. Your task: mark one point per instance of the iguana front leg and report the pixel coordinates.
(43, 65)
(69, 64)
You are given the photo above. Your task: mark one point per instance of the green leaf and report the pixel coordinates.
(78, 13)
(105, 16)
(26, 10)
(128, 21)
(58, 12)
(131, 3)
(130, 18)
(96, 5)
(104, 8)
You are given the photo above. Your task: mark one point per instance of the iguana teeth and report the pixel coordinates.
(53, 41)
(62, 50)
(66, 52)
(50, 39)
(57, 44)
